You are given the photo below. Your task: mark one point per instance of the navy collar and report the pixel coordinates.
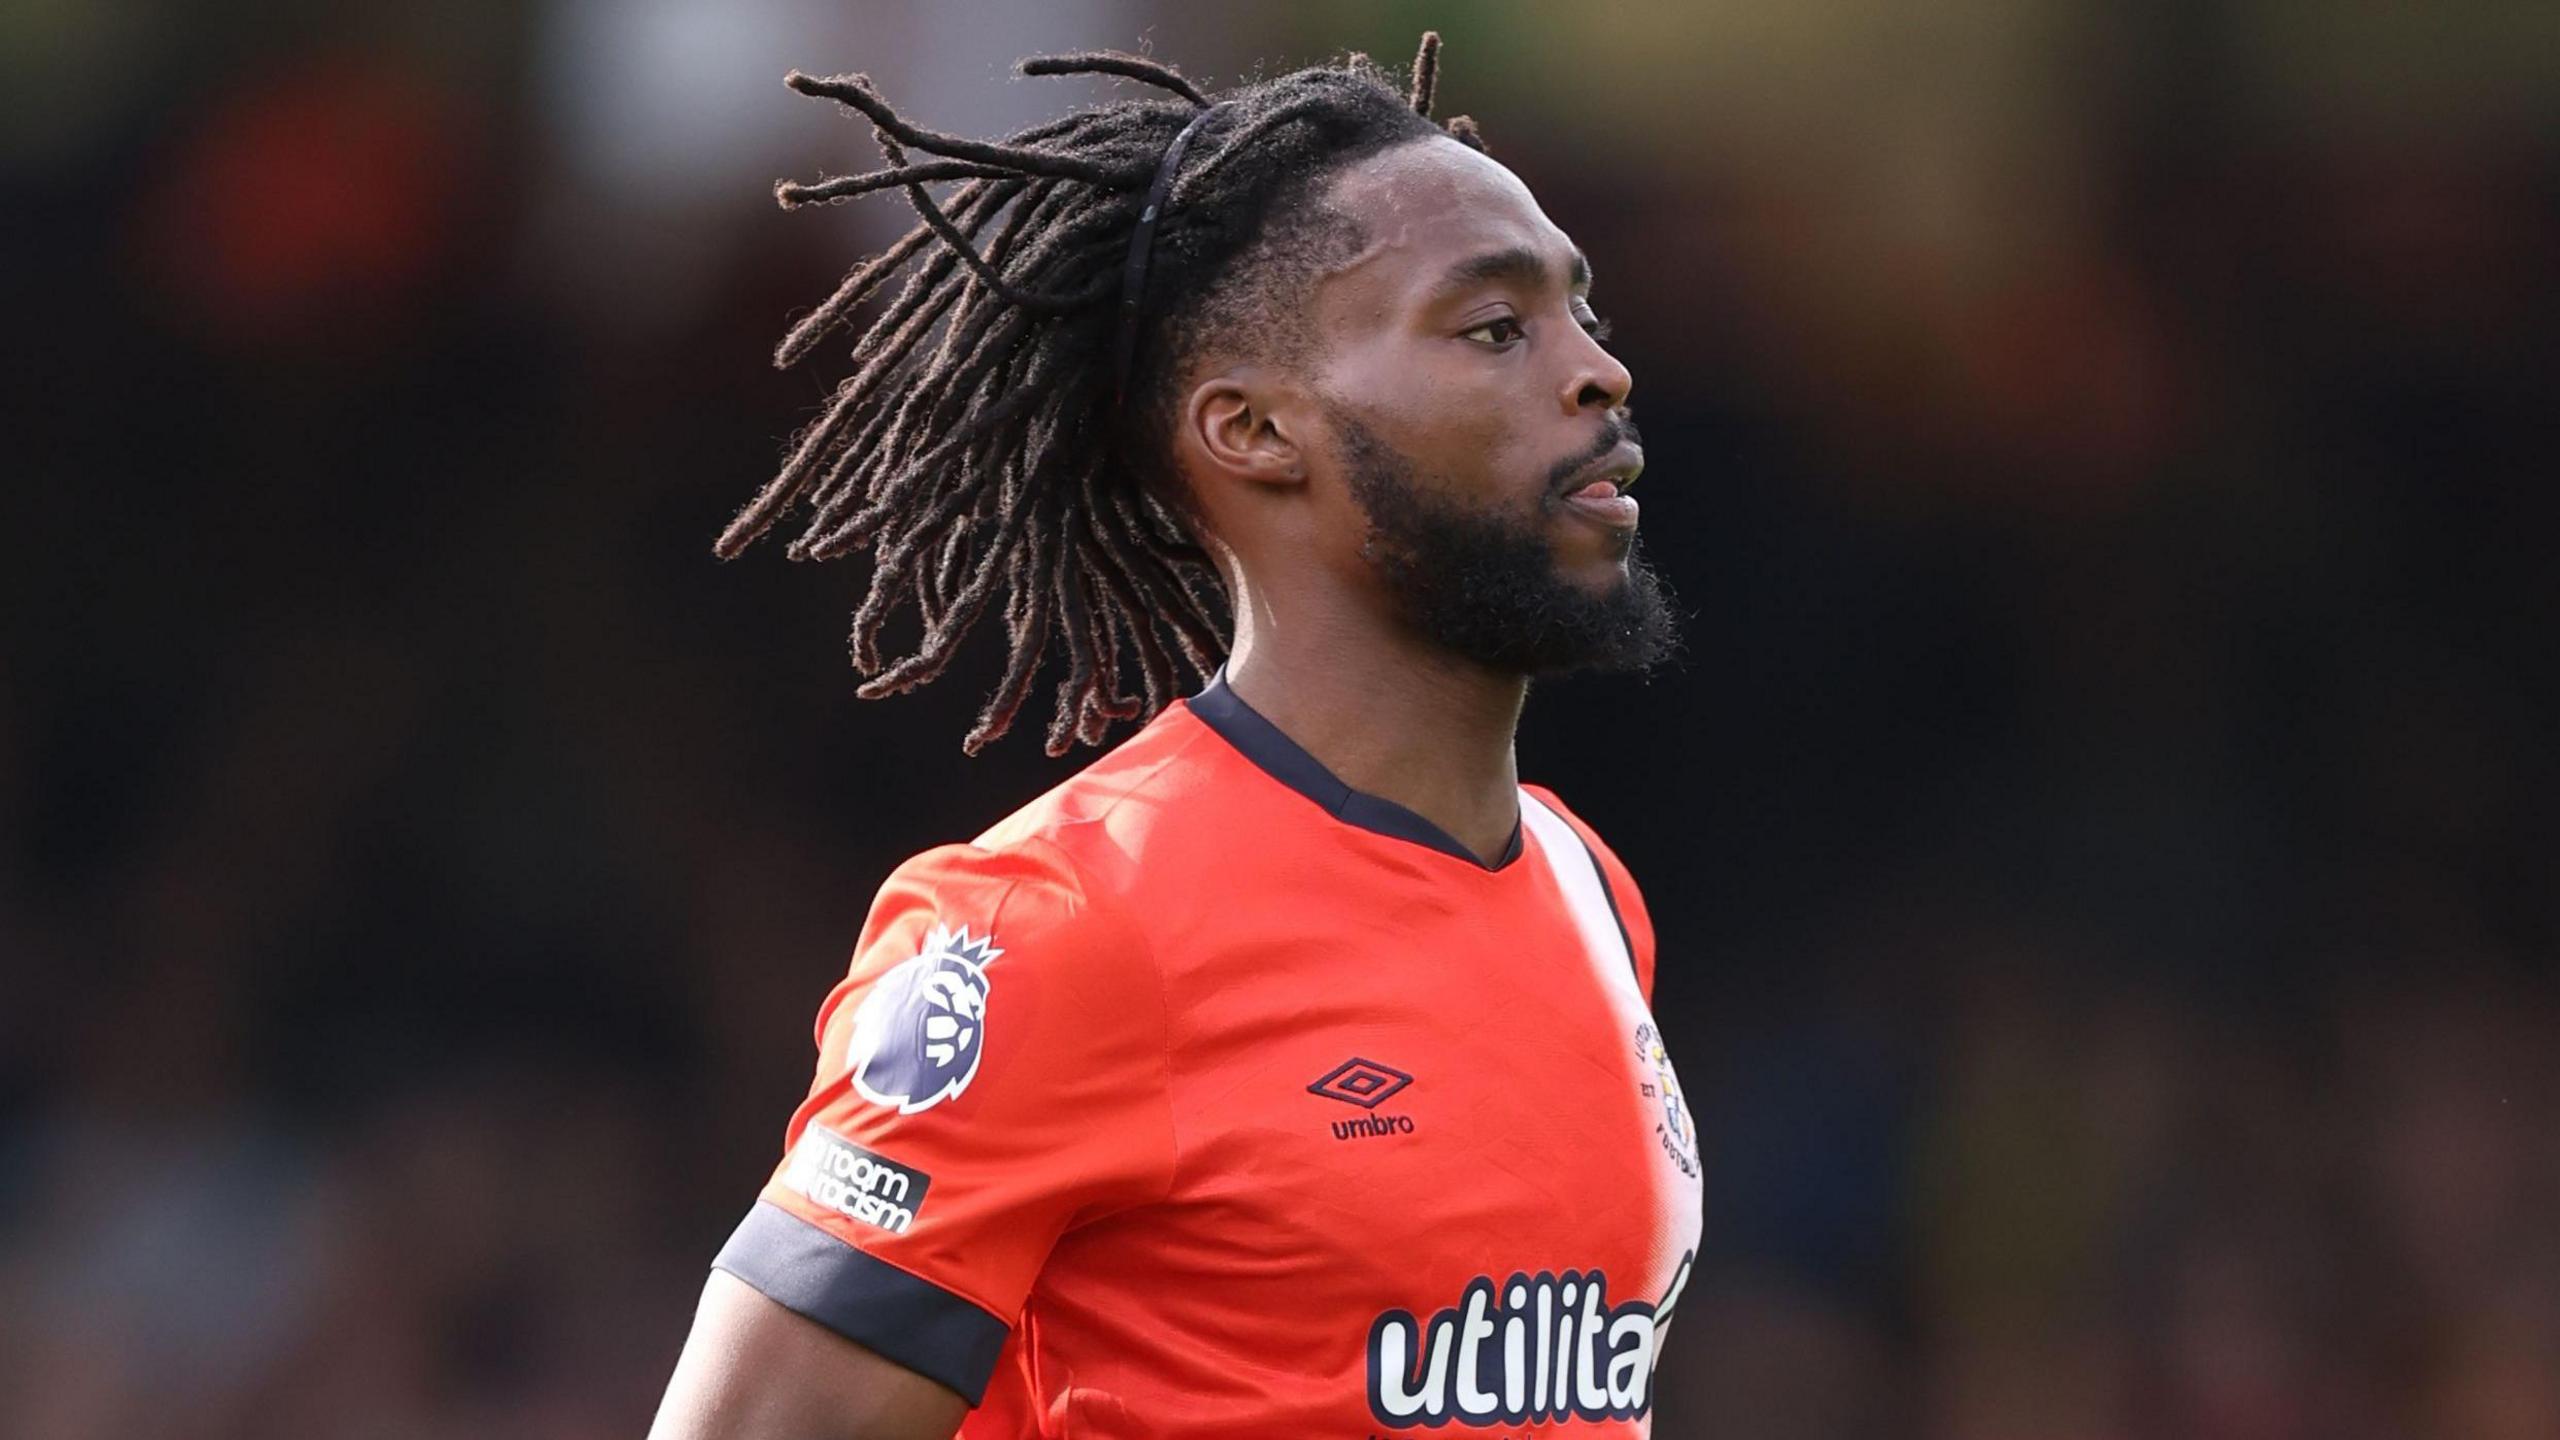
(1261, 742)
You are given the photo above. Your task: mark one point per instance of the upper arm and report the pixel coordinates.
(753, 1370)
(991, 1068)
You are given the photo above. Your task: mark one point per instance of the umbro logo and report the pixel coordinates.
(1364, 1083)
(1360, 1082)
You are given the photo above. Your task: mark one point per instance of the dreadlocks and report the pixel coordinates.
(982, 441)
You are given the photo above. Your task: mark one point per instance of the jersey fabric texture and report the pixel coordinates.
(1207, 1096)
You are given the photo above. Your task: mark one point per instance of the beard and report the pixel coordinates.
(1484, 585)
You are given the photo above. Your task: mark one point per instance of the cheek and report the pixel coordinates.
(1479, 457)
(1456, 416)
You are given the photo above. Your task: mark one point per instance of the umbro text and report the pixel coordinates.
(1368, 1125)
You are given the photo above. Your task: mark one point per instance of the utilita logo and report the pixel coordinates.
(1534, 1347)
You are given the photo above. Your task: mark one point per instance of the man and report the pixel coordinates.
(1288, 1071)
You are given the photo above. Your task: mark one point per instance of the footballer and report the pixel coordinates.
(1289, 1070)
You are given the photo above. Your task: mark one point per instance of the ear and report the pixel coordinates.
(1240, 425)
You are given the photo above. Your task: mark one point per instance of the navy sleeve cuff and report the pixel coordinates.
(874, 1304)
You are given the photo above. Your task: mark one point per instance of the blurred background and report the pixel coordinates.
(2101, 833)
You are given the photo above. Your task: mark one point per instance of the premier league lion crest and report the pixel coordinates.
(917, 1035)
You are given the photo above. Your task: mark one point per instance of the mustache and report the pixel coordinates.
(1619, 430)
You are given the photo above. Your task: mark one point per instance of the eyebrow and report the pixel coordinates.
(1518, 263)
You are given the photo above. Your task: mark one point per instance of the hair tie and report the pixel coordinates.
(1133, 275)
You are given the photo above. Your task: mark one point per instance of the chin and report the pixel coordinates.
(1598, 575)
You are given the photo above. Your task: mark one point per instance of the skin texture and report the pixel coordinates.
(1491, 390)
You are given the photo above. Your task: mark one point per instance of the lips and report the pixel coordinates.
(1598, 492)
(1609, 475)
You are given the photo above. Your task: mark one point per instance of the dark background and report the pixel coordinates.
(2101, 832)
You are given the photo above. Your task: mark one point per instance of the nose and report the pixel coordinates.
(1596, 380)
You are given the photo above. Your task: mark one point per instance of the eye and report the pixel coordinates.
(1595, 326)
(1509, 326)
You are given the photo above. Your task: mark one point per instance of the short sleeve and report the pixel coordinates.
(1624, 897)
(991, 1071)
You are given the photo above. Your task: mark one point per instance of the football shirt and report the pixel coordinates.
(1208, 1096)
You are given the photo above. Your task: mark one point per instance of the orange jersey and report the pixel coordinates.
(1207, 1096)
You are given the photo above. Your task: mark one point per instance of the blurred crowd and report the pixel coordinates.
(2101, 830)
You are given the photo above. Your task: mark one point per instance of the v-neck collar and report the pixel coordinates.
(1284, 760)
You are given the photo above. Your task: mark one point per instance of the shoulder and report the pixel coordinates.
(1138, 823)
(1620, 878)
(1021, 926)
(1045, 860)
(1624, 893)
(1024, 893)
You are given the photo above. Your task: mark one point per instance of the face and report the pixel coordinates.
(1473, 426)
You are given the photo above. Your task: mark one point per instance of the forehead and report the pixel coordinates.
(1423, 209)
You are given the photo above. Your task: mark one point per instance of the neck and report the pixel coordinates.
(1390, 715)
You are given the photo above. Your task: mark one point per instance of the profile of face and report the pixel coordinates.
(1475, 427)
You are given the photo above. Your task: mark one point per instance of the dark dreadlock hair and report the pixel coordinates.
(982, 441)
